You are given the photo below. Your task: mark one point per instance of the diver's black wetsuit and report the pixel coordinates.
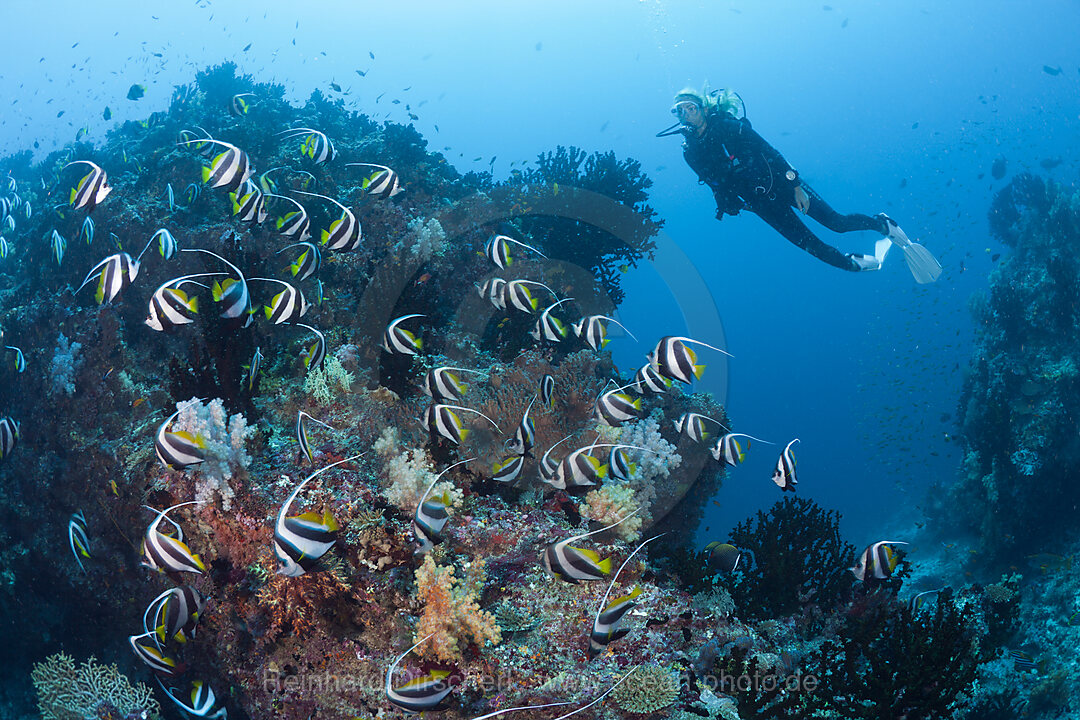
(744, 171)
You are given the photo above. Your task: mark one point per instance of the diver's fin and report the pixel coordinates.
(923, 265)
(881, 249)
(864, 262)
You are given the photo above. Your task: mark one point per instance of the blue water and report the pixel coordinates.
(860, 97)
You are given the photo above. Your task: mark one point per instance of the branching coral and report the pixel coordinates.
(451, 613)
(67, 692)
(798, 559)
(589, 246)
(889, 662)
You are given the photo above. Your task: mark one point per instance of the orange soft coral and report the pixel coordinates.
(450, 610)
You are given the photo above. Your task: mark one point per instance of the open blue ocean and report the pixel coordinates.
(368, 359)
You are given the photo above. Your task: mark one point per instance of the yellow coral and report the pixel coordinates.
(451, 613)
(610, 504)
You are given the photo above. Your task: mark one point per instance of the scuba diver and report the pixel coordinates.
(746, 173)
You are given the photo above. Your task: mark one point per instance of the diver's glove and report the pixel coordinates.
(802, 200)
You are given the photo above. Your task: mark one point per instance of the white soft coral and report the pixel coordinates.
(224, 438)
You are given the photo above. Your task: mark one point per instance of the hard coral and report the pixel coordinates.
(650, 688)
(90, 690)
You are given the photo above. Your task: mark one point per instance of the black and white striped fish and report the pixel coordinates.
(232, 294)
(170, 305)
(548, 327)
(383, 184)
(20, 359)
(442, 421)
(581, 468)
(166, 243)
(493, 290)
(430, 515)
(671, 358)
(573, 564)
(615, 407)
(86, 232)
(619, 465)
(344, 234)
(605, 629)
(179, 449)
(307, 264)
(157, 660)
(877, 561)
(200, 703)
(58, 245)
(316, 354)
(9, 435)
(728, 449)
(113, 274)
(548, 465)
(228, 169)
(442, 384)
(251, 370)
(316, 146)
(648, 381)
(693, 425)
(516, 295)
(91, 190)
(301, 541)
(287, 306)
(204, 144)
(784, 474)
(77, 538)
(302, 436)
(593, 330)
(191, 193)
(295, 225)
(174, 615)
(547, 390)
(508, 469)
(248, 203)
(238, 106)
(170, 196)
(399, 341)
(421, 693)
(5, 247)
(525, 434)
(166, 552)
(497, 250)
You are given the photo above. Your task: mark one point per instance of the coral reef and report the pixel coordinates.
(69, 692)
(1022, 392)
(317, 645)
